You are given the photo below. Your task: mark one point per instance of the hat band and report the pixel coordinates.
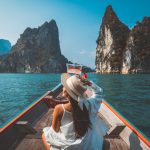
(73, 89)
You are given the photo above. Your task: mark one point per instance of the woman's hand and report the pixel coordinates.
(85, 81)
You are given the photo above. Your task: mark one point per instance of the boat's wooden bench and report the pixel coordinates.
(34, 141)
(112, 140)
(114, 144)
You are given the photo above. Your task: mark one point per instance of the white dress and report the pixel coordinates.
(65, 138)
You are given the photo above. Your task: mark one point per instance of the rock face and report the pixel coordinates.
(137, 52)
(5, 46)
(37, 50)
(120, 50)
(111, 41)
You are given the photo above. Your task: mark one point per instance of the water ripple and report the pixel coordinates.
(129, 94)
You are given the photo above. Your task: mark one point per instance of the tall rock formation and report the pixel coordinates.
(37, 50)
(120, 50)
(110, 43)
(137, 52)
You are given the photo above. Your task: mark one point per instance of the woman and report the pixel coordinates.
(76, 124)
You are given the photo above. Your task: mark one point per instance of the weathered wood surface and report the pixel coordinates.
(44, 121)
(34, 141)
(31, 144)
(114, 144)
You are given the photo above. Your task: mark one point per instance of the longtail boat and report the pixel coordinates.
(24, 132)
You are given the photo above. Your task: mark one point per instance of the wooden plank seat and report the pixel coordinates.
(34, 141)
(112, 140)
(31, 144)
(25, 127)
(114, 144)
(115, 130)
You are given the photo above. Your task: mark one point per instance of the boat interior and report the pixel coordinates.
(25, 131)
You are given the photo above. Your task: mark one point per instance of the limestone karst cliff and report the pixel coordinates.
(137, 52)
(37, 50)
(110, 43)
(121, 50)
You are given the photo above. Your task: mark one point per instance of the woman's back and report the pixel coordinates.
(67, 125)
(66, 117)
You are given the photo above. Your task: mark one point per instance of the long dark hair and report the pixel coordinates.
(81, 118)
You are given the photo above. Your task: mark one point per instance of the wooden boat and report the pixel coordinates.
(24, 132)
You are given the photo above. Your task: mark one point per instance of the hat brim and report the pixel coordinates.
(64, 78)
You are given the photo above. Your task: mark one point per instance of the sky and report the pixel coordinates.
(78, 21)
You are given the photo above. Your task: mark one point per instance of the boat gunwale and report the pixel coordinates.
(126, 122)
(24, 112)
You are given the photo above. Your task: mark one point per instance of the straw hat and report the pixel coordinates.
(73, 85)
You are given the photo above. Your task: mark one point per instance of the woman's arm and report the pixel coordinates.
(57, 115)
(94, 102)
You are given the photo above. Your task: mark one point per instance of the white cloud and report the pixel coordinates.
(87, 53)
(86, 57)
(82, 52)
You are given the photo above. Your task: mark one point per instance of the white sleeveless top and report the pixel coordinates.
(67, 117)
(67, 126)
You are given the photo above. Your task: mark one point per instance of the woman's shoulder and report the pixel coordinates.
(59, 109)
(67, 107)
